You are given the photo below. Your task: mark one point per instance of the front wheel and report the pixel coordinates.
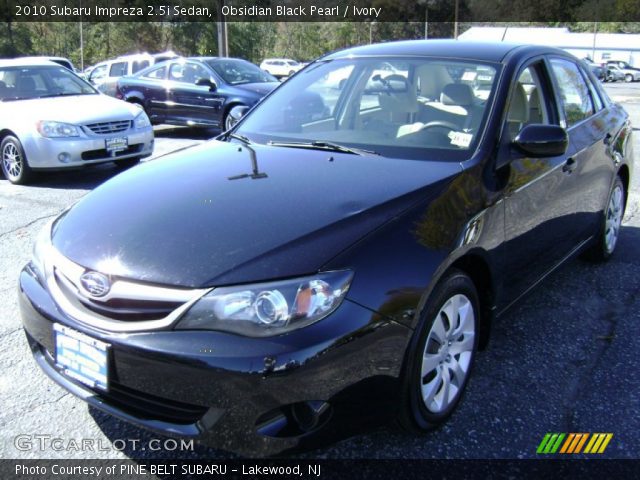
(441, 354)
(229, 121)
(14, 161)
(628, 78)
(609, 232)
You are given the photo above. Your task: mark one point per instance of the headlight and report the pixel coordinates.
(57, 129)
(142, 121)
(41, 248)
(266, 309)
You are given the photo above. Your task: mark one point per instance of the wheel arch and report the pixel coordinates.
(6, 132)
(625, 175)
(477, 268)
(475, 265)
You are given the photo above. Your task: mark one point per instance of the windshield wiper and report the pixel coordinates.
(237, 136)
(322, 145)
(63, 94)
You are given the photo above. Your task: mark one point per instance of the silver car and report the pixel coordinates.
(52, 119)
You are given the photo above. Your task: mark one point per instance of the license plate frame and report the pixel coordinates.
(82, 357)
(116, 144)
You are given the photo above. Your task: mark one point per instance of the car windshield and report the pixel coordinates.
(236, 72)
(398, 107)
(27, 82)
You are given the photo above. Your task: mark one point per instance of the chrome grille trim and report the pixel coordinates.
(106, 128)
(62, 277)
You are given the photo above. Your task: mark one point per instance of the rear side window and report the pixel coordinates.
(595, 96)
(118, 69)
(175, 72)
(139, 65)
(157, 73)
(575, 97)
(98, 73)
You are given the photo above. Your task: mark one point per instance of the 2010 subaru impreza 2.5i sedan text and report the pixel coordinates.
(337, 257)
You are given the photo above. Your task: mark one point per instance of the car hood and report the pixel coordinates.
(219, 214)
(260, 88)
(77, 109)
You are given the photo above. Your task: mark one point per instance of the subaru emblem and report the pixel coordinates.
(95, 284)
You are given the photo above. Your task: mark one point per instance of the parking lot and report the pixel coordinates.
(564, 360)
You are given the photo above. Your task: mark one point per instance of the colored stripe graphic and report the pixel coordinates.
(597, 443)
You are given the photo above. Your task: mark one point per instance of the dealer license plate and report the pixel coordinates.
(81, 357)
(117, 144)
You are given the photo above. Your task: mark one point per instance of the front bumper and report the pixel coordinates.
(255, 396)
(72, 152)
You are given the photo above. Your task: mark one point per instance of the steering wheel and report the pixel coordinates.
(388, 85)
(440, 124)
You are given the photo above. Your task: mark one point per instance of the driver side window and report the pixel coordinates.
(526, 105)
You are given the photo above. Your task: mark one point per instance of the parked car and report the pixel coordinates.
(629, 73)
(615, 74)
(110, 70)
(197, 91)
(598, 70)
(280, 67)
(316, 269)
(52, 119)
(65, 62)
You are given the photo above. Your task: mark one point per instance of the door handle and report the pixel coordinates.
(569, 165)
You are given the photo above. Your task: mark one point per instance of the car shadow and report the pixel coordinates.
(139, 444)
(193, 133)
(84, 178)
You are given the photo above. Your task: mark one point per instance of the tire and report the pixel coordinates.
(609, 231)
(127, 163)
(227, 122)
(137, 101)
(14, 161)
(441, 354)
(292, 72)
(628, 78)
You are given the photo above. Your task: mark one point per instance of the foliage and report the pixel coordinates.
(251, 40)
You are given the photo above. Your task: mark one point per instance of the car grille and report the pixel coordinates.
(144, 405)
(127, 306)
(106, 128)
(103, 153)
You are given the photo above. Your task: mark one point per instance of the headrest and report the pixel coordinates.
(402, 101)
(432, 77)
(457, 94)
(27, 84)
(519, 108)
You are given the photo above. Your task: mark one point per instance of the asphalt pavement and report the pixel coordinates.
(564, 360)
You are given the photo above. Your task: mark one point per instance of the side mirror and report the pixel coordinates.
(236, 113)
(206, 82)
(538, 141)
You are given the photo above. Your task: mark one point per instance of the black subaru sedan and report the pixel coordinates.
(339, 256)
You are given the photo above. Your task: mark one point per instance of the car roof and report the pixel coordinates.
(205, 59)
(482, 51)
(28, 61)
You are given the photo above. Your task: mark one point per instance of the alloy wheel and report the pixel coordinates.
(613, 219)
(448, 353)
(12, 160)
(228, 122)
